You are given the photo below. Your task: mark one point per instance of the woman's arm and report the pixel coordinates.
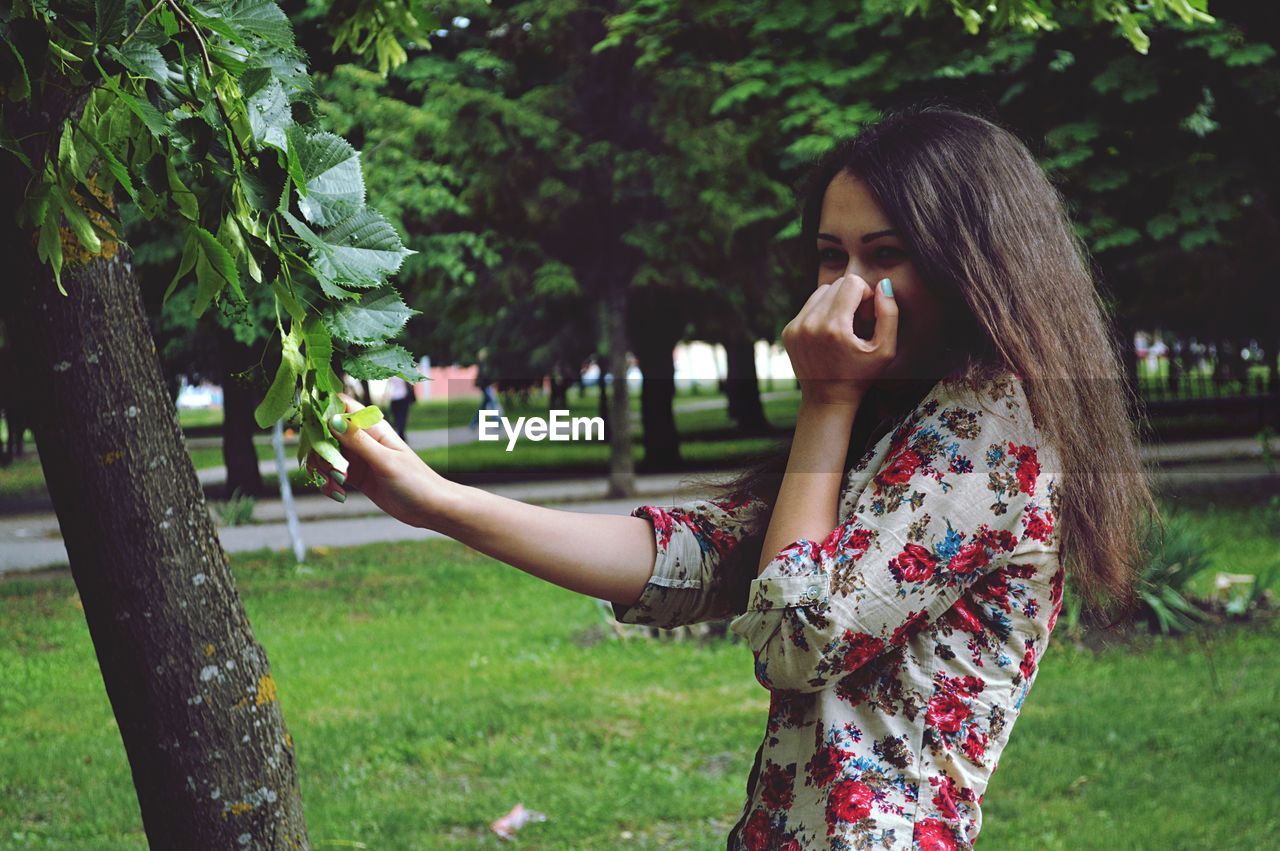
(663, 565)
(810, 491)
(601, 555)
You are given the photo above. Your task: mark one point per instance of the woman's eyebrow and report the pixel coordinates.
(866, 237)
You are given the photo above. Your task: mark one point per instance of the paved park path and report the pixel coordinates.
(32, 543)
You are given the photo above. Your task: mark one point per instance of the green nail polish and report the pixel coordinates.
(338, 497)
(886, 287)
(338, 423)
(337, 476)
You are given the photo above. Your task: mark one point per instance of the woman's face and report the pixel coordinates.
(854, 236)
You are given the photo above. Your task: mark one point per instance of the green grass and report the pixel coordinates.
(428, 689)
(197, 417)
(1200, 377)
(1240, 537)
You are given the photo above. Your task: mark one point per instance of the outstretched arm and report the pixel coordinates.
(600, 555)
(661, 565)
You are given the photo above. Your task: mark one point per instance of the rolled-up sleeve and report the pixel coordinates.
(690, 582)
(958, 490)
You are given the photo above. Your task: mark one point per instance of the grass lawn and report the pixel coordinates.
(429, 688)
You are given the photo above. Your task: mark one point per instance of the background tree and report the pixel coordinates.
(203, 112)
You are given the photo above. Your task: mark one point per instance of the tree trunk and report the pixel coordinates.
(190, 687)
(602, 397)
(239, 397)
(622, 477)
(657, 397)
(742, 387)
(558, 393)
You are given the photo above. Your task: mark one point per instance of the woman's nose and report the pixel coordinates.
(855, 269)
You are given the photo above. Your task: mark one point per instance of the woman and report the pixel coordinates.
(963, 442)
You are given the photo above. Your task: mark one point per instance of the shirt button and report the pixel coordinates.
(810, 594)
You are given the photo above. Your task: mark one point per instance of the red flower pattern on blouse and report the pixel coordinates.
(899, 648)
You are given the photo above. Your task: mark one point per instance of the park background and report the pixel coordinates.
(601, 187)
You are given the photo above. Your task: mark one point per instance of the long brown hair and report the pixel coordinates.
(991, 237)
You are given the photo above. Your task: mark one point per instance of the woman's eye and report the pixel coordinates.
(888, 252)
(830, 255)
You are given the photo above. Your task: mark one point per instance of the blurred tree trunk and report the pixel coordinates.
(239, 397)
(622, 478)
(657, 397)
(742, 387)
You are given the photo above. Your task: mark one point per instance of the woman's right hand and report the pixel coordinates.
(832, 364)
(383, 468)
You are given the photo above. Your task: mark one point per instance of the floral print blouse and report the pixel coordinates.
(899, 649)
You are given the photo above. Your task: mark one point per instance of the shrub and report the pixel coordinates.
(236, 511)
(1171, 562)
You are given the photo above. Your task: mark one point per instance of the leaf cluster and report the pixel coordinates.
(204, 113)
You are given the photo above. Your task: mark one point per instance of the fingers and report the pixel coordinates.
(850, 292)
(886, 334)
(332, 480)
(806, 311)
(381, 431)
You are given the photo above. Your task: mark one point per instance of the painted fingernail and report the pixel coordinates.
(338, 496)
(886, 287)
(338, 423)
(337, 476)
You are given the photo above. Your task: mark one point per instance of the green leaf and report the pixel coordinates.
(149, 115)
(334, 185)
(269, 115)
(319, 343)
(68, 157)
(78, 221)
(360, 251)
(215, 269)
(113, 165)
(381, 362)
(231, 236)
(19, 86)
(378, 315)
(279, 398)
(142, 59)
(281, 395)
(183, 198)
(108, 20)
(291, 305)
(367, 416)
(184, 266)
(323, 445)
(49, 248)
(297, 138)
(253, 19)
(33, 211)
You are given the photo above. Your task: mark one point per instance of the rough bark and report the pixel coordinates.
(190, 687)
